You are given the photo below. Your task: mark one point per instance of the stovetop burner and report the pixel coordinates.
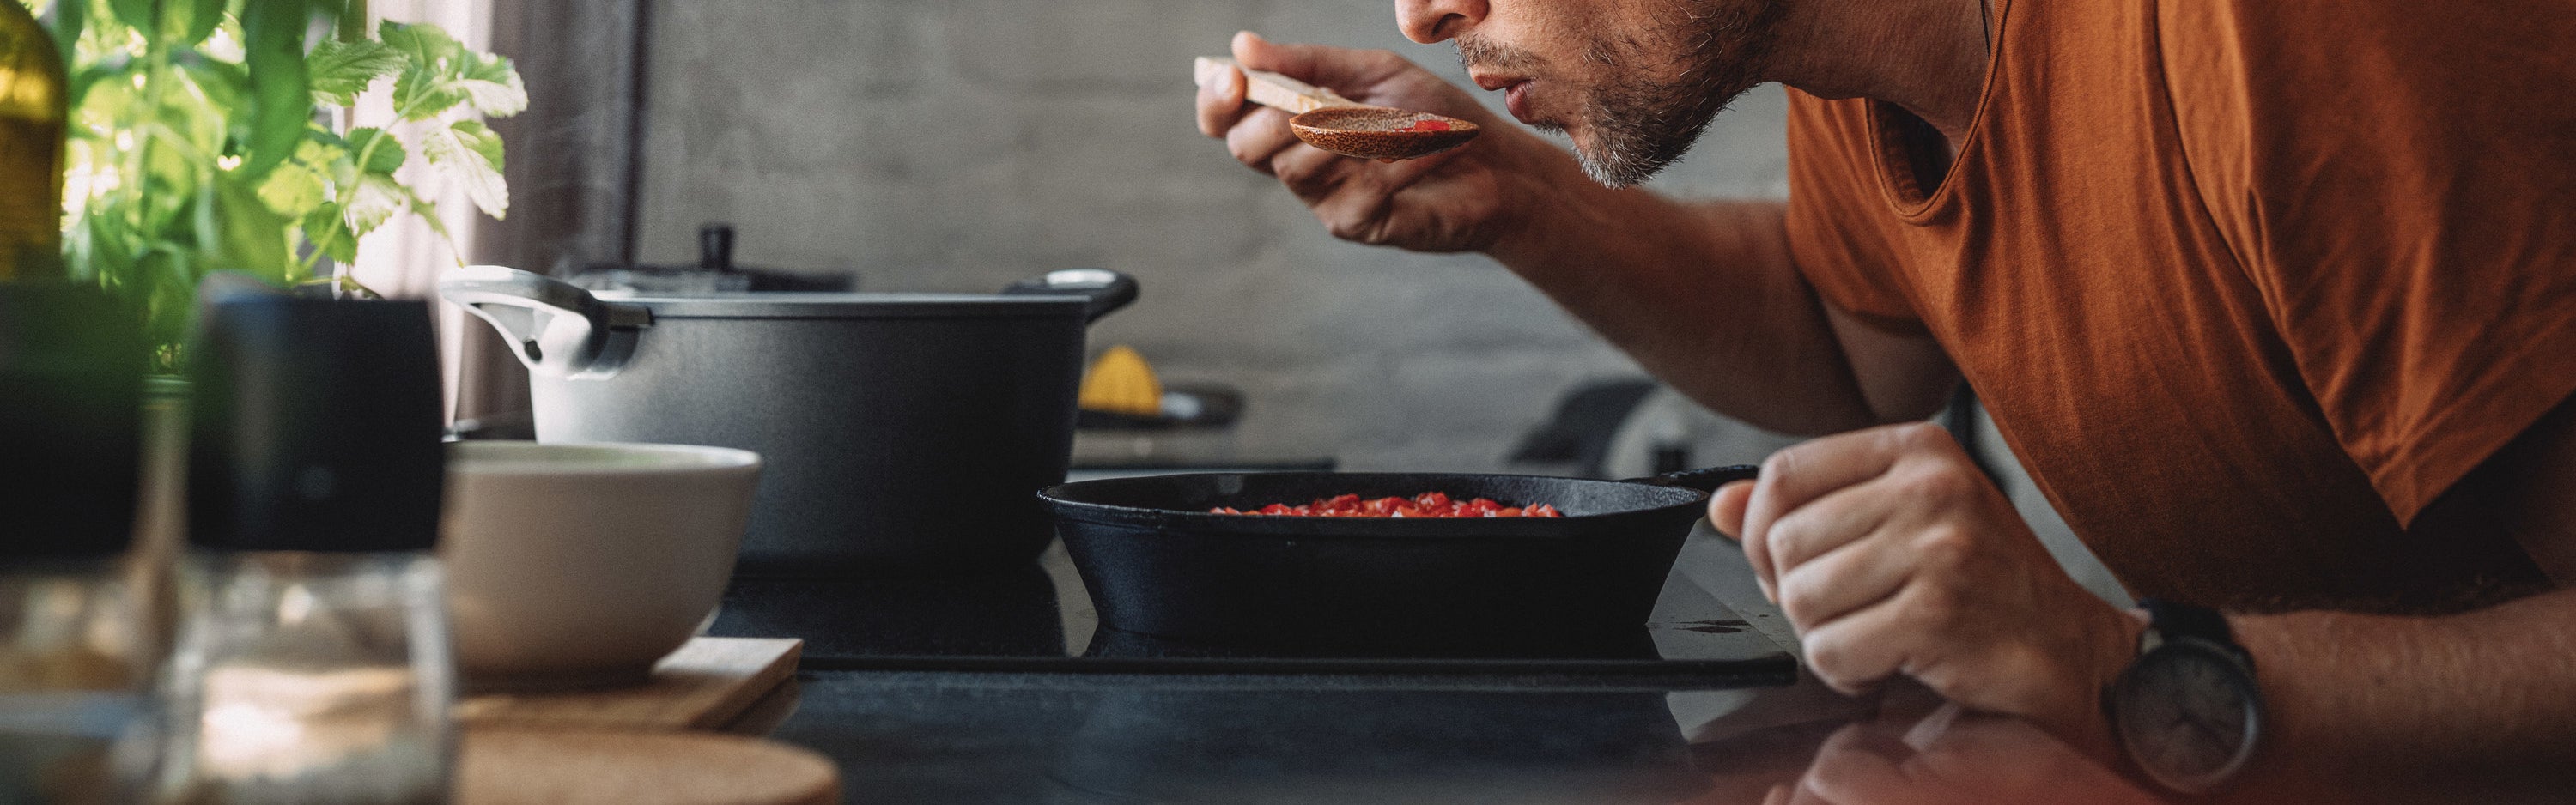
(1037, 618)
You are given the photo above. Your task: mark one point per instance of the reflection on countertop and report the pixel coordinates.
(940, 736)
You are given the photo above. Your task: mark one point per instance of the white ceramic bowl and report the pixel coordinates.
(581, 564)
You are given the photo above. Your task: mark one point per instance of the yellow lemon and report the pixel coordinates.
(1120, 382)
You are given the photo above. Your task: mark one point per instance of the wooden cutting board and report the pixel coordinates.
(704, 685)
(565, 767)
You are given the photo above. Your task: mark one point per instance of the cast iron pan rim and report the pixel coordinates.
(1058, 499)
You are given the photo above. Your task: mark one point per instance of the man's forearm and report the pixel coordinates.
(2473, 707)
(1707, 297)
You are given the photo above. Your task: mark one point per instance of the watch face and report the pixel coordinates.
(2188, 714)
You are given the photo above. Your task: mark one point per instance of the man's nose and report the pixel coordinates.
(1428, 21)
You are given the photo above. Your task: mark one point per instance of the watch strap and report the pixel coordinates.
(2173, 620)
(2179, 629)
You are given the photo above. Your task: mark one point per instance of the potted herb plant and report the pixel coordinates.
(211, 135)
(194, 144)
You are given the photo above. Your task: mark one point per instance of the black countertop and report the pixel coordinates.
(931, 706)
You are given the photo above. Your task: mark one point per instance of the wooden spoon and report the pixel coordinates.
(1343, 126)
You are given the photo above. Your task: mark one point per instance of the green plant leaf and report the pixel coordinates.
(224, 89)
(340, 70)
(443, 73)
(427, 45)
(427, 87)
(281, 106)
(105, 100)
(84, 79)
(252, 236)
(204, 237)
(225, 84)
(322, 137)
(471, 153)
(384, 153)
(193, 108)
(110, 253)
(179, 147)
(189, 21)
(375, 200)
(293, 188)
(136, 14)
(420, 94)
(329, 155)
(70, 16)
(491, 85)
(327, 228)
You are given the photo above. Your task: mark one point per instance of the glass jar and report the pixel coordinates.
(308, 677)
(69, 679)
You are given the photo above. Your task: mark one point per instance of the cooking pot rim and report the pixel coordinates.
(858, 305)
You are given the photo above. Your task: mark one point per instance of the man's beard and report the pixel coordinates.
(1638, 125)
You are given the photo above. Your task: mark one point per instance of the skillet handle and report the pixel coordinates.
(1707, 480)
(1108, 290)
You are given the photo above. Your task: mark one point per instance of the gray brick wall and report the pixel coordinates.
(960, 144)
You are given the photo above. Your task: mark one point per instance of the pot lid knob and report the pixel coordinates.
(715, 247)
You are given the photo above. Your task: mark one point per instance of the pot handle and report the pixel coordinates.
(556, 328)
(1707, 480)
(1108, 290)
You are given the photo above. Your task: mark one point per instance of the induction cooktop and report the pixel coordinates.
(1036, 618)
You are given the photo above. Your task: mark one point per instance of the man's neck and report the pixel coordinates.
(1927, 56)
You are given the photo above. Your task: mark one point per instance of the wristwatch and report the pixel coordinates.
(2187, 711)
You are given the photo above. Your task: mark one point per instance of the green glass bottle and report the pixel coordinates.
(32, 110)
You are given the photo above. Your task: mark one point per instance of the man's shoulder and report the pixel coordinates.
(2295, 51)
(2393, 177)
(2364, 80)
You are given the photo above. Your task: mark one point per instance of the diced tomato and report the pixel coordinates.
(1427, 504)
(1431, 125)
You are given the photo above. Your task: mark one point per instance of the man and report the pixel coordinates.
(2276, 300)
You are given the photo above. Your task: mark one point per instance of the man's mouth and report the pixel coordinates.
(1516, 99)
(1515, 92)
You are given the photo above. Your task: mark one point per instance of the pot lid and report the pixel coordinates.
(813, 305)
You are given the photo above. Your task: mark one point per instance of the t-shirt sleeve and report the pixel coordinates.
(2398, 179)
(1837, 215)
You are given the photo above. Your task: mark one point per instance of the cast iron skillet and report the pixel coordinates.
(1158, 564)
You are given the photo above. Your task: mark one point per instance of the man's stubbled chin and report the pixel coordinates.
(1628, 126)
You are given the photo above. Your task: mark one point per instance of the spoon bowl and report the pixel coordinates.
(1327, 120)
(1378, 132)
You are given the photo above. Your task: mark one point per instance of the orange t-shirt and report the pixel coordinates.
(2246, 283)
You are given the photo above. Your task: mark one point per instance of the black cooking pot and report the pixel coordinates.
(903, 432)
(1158, 563)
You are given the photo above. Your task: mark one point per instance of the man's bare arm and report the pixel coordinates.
(2476, 707)
(1707, 297)
(1704, 295)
